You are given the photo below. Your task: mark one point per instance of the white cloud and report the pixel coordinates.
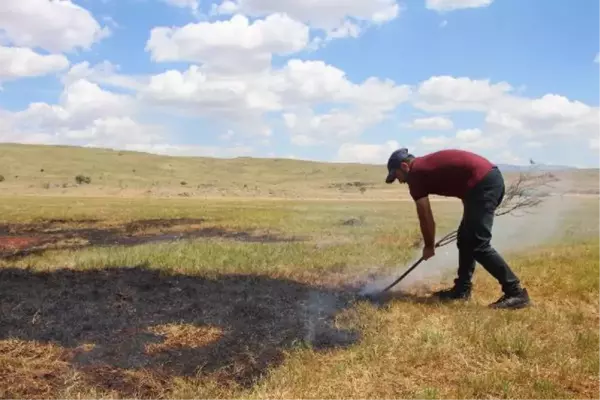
(308, 82)
(432, 123)
(435, 141)
(328, 15)
(366, 153)
(513, 124)
(115, 132)
(104, 73)
(594, 143)
(292, 90)
(238, 101)
(507, 157)
(232, 81)
(597, 58)
(80, 104)
(447, 93)
(533, 144)
(191, 4)
(235, 45)
(346, 29)
(488, 146)
(56, 26)
(334, 126)
(451, 5)
(507, 114)
(20, 62)
(468, 135)
(85, 115)
(303, 84)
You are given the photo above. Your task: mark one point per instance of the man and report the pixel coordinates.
(480, 186)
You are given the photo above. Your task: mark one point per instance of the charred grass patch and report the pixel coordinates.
(141, 320)
(21, 240)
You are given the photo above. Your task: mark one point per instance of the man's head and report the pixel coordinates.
(399, 165)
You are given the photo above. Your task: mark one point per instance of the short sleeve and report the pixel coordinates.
(417, 189)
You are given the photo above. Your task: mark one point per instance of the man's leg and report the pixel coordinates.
(466, 259)
(479, 220)
(466, 266)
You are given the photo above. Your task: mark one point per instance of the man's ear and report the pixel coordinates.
(404, 166)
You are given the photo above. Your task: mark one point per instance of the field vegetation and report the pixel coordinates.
(122, 287)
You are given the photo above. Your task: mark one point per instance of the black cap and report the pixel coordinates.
(396, 158)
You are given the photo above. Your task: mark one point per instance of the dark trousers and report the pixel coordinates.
(475, 234)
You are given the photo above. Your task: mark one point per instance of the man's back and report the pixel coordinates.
(446, 173)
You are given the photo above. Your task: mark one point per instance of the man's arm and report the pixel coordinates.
(426, 220)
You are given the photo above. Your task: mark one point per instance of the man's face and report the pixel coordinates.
(402, 172)
(400, 175)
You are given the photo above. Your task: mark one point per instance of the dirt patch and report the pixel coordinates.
(21, 240)
(130, 330)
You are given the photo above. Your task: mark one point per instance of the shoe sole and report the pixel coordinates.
(512, 307)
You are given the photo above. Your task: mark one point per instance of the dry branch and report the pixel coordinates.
(525, 193)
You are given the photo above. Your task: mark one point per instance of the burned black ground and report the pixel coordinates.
(113, 311)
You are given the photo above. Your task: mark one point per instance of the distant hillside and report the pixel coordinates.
(37, 169)
(538, 167)
(53, 170)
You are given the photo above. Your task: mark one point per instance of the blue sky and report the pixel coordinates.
(343, 80)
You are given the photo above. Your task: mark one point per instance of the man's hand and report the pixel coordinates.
(428, 252)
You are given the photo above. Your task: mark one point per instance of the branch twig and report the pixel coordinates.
(520, 196)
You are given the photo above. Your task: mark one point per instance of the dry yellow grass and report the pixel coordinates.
(190, 298)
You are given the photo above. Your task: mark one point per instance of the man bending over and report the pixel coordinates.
(480, 186)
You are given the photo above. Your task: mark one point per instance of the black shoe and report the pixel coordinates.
(519, 299)
(454, 293)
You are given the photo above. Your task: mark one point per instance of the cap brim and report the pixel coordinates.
(391, 177)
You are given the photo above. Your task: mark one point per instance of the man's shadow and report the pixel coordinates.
(172, 324)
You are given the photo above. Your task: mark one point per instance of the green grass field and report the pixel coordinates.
(106, 295)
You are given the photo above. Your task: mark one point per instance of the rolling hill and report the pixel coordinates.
(53, 170)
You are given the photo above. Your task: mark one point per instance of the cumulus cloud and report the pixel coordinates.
(191, 4)
(447, 93)
(104, 73)
(468, 135)
(311, 129)
(56, 26)
(85, 115)
(232, 78)
(506, 113)
(452, 5)
(512, 123)
(294, 90)
(234, 45)
(239, 102)
(20, 62)
(301, 85)
(435, 123)
(493, 147)
(330, 15)
(366, 153)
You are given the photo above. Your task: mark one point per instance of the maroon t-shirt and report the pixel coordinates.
(449, 173)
